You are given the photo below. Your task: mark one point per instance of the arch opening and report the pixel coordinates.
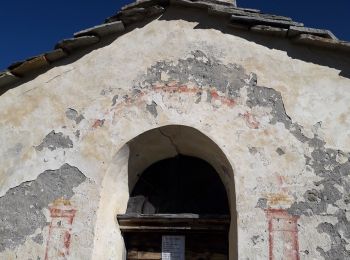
(182, 185)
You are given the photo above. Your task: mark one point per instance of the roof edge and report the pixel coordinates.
(242, 18)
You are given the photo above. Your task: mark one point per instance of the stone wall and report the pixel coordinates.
(278, 112)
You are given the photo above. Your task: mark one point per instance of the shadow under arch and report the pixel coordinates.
(173, 140)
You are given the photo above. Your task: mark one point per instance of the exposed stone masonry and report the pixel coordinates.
(29, 199)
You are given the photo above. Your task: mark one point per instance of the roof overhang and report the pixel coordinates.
(250, 20)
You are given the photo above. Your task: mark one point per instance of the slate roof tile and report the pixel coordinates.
(69, 45)
(240, 18)
(102, 30)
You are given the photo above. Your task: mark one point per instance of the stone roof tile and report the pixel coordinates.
(102, 30)
(24, 68)
(145, 4)
(55, 55)
(297, 30)
(69, 45)
(136, 14)
(263, 20)
(318, 41)
(7, 78)
(270, 30)
(241, 18)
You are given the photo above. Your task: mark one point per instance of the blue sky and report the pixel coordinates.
(31, 27)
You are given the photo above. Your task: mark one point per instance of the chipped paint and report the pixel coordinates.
(283, 235)
(54, 141)
(62, 214)
(98, 123)
(280, 119)
(30, 199)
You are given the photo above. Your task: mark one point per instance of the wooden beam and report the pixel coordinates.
(173, 222)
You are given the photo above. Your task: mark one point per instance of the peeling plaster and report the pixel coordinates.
(203, 71)
(30, 199)
(304, 87)
(54, 141)
(72, 114)
(152, 108)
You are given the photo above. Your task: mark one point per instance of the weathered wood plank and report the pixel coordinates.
(135, 255)
(171, 216)
(173, 223)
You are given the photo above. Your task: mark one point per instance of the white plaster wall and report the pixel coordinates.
(311, 93)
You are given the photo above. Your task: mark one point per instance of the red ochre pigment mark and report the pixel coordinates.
(283, 235)
(135, 99)
(223, 99)
(98, 123)
(281, 181)
(59, 238)
(194, 90)
(250, 120)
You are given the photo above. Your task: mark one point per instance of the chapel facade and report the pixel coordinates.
(179, 129)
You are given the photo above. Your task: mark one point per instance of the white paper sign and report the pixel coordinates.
(173, 247)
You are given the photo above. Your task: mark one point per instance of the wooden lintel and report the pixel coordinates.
(173, 222)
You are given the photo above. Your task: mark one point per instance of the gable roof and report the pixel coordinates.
(242, 18)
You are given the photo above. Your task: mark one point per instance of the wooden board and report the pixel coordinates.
(173, 222)
(206, 237)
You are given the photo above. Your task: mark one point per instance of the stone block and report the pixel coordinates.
(276, 17)
(259, 20)
(103, 30)
(204, 3)
(322, 42)
(218, 2)
(7, 78)
(145, 4)
(224, 10)
(29, 66)
(73, 44)
(55, 55)
(296, 30)
(270, 30)
(135, 15)
(194, 4)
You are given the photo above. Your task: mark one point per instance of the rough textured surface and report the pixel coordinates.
(29, 199)
(103, 29)
(152, 108)
(296, 30)
(56, 140)
(264, 21)
(138, 14)
(333, 168)
(323, 42)
(277, 112)
(55, 55)
(241, 18)
(7, 78)
(72, 114)
(200, 70)
(26, 67)
(145, 3)
(70, 45)
(269, 30)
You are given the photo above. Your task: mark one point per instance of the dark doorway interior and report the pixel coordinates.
(181, 196)
(182, 184)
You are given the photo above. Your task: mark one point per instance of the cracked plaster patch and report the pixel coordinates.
(29, 199)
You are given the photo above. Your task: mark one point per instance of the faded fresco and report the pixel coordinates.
(281, 120)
